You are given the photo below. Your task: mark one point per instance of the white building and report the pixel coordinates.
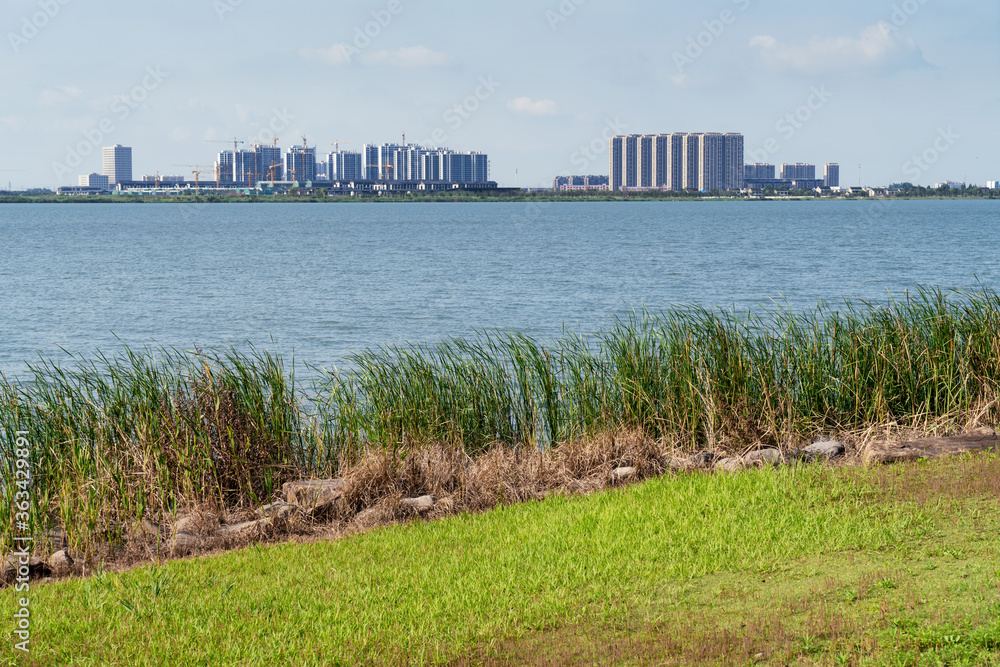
(993, 185)
(117, 163)
(95, 181)
(344, 166)
(678, 161)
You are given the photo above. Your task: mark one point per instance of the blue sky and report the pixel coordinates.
(907, 89)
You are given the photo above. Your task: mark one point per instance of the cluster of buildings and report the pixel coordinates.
(377, 168)
(702, 161)
(384, 163)
(571, 183)
(792, 176)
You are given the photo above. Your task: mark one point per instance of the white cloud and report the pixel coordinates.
(530, 107)
(341, 54)
(877, 47)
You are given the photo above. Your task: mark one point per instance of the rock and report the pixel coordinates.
(623, 473)
(444, 506)
(149, 529)
(197, 523)
(931, 448)
(279, 511)
(60, 561)
(729, 465)
(677, 464)
(12, 568)
(245, 529)
(372, 516)
(828, 450)
(703, 459)
(764, 457)
(419, 505)
(309, 493)
(183, 544)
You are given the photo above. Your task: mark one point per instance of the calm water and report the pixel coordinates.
(323, 280)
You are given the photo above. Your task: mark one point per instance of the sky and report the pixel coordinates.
(893, 90)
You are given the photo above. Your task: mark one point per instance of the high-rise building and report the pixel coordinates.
(300, 164)
(646, 163)
(831, 175)
(733, 158)
(678, 161)
(798, 171)
(674, 178)
(630, 161)
(711, 161)
(616, 149)
(394, 162)
(345, 166)
(758, 171)
(690, 162)
(95, 181)
(117, 161)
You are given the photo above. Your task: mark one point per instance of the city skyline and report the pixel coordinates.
(906, 89)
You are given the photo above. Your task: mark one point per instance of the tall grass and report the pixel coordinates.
(698, 376)
(142, 434)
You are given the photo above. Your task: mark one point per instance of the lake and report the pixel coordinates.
(322, 280)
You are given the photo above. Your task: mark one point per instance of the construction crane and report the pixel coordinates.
(271, 171)
(198, 171)
(235, 142)
(336, 144)
(386, 168)
(236, 146)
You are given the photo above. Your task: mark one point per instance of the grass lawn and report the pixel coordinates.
(810, 565)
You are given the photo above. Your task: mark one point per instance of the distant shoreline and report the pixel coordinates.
(514, 199)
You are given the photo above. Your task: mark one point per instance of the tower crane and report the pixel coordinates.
(197, 173)
(236, 144)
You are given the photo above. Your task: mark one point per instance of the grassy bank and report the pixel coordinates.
(823, 566)
(147, 434)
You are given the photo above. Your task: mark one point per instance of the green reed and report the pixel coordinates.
(142, 434)
(698, 376)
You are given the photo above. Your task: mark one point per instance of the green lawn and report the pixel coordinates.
(894, 566)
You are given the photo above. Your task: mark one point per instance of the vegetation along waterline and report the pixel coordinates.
(125, 442)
